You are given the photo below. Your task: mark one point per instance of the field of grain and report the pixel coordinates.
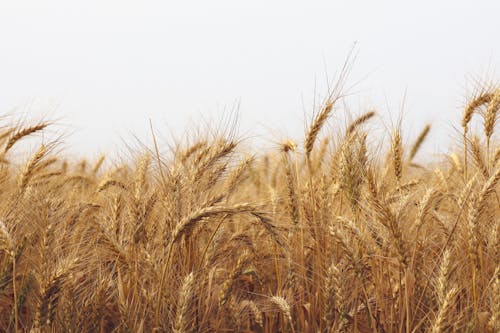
(335, 232)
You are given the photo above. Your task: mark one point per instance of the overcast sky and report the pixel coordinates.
(104, 68)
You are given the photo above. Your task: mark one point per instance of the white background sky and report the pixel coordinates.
(103, 68)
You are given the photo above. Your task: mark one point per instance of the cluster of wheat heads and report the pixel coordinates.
(328, 236)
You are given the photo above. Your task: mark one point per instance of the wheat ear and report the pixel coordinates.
(353, 126)
(397, 155)
(182, 320)
(18, 135)
(316, 126)
(418, 142)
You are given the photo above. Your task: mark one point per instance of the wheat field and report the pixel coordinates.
(335, 232)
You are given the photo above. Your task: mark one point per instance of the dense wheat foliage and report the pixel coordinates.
(340, 233)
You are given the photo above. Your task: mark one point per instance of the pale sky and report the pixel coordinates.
(104, 68)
